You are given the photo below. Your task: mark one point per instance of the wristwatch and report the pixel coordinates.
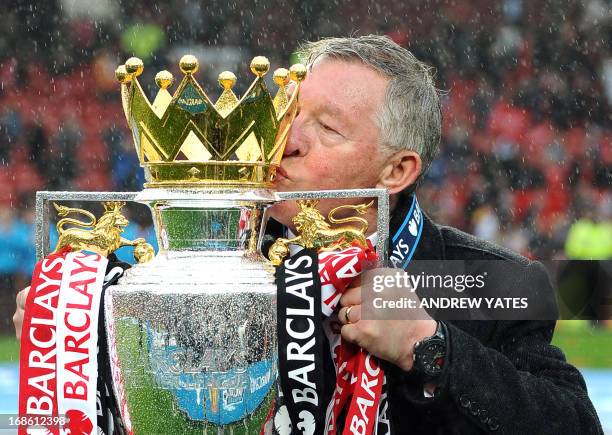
(430, 353)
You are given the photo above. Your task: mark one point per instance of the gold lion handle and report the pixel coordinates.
(316, 232)
(102, 235)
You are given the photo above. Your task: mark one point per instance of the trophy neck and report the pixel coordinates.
(208, 220)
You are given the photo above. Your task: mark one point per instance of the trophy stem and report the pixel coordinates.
(208, 220)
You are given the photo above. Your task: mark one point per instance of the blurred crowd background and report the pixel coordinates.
(526, 154)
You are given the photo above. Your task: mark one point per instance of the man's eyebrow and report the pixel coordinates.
(334, 110)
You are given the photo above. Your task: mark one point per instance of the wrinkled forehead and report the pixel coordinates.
(345, 81)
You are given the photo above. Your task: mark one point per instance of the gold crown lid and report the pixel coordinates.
(134, 66)
(189, 64)
(185, 140)
(164, 79)
(227, 80)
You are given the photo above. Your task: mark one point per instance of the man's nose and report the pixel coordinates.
(297, 144)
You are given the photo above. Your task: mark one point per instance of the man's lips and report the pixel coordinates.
(281, 174)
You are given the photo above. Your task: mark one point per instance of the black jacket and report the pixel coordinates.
(499, 376)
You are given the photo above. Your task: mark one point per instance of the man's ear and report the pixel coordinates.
(401, 170)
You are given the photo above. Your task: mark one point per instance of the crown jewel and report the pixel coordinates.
(183, 139)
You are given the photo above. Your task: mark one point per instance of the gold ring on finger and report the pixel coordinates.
(346, 314)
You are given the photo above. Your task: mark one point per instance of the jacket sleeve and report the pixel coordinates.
(517, 383)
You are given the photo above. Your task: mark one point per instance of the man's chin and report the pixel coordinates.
(282, 185)
(283, 212)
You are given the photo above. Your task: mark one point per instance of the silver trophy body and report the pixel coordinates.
(194, 330)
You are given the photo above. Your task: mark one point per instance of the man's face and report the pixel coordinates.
(334, 140)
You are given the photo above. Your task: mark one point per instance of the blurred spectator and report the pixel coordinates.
(61, 159)
(38, 148)
(12, 256)
(143, 39)
(27, 252)
(126, 172)
(590, 236)
(485, 223)
(10, 131)
(589, 240)
(11, 244)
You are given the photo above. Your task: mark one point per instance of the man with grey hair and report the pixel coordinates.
(369, 116)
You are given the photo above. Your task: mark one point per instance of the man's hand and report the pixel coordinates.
(18, 316)
(391, 340)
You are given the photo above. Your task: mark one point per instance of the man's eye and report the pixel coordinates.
(328, 128)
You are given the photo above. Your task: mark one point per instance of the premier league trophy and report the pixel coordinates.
(192, 330)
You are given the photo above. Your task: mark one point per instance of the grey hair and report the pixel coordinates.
(411, 117)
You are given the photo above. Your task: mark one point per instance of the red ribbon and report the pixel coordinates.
(359, 377)
(37, 367)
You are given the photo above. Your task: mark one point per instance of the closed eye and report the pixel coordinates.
(329, 129)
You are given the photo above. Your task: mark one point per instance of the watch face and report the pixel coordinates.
(430, 356)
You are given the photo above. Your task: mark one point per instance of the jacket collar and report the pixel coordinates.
(431, 244)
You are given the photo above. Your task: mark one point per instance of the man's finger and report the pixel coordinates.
(21, 297)
(350, 314)
(20, 300)
(352, 334)
(17, 321)
(351, 297)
